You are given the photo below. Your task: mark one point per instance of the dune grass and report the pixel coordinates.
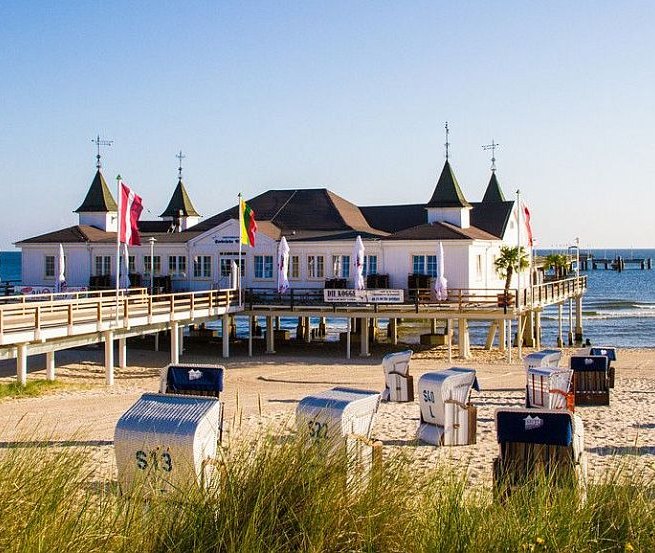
(31, 389)
(282, 497)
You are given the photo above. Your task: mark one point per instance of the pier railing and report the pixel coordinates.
(72, 295)
(26, 321)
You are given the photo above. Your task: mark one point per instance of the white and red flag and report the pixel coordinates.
(528, 226)
(128, 218)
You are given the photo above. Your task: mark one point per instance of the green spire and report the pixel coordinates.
(493, 192)
(180, 201)
(98, 198)
(447, 193)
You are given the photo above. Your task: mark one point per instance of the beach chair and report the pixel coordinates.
(549, 388)
(537, 443)
(447, 416)
(398, 383)
(543, 358)
(610, 353)
(195, 380)
(590, 379)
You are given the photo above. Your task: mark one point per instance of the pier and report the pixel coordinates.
(619, 263)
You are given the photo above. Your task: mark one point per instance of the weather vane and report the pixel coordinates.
(180, 156)
(492, 147)
(447, 143)
(99, 142)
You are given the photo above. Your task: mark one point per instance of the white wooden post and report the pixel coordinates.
(122, 353)
(270, 335)
(226, 335)
(50, 365)
(109, 357)
(348, 339)
(364, 337)
(21, 364)
(175, 343)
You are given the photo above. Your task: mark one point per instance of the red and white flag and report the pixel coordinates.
(528, 226)
(128, 218)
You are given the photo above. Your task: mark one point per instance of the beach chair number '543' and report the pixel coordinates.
(154, 459)
(318, 430)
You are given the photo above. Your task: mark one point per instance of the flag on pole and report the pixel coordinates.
(128, 217)
(248, 223)
(526, 215)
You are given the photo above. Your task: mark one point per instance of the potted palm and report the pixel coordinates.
(510, 261)
(558, 262)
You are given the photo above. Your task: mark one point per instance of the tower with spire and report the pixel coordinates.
(99, 209)
(448, 204)
(493, 193)
(180, 211)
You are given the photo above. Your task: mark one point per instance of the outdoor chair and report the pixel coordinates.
(549, 388)
(610, 353)
(590, 380)
(538, 443)
(398, 383)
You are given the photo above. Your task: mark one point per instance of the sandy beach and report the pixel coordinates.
(261, 394)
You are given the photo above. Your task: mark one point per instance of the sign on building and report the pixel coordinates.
(344, 295)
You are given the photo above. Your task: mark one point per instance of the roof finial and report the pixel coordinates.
(447, 143)
(492, 147)
(99, 142)
(179, 169)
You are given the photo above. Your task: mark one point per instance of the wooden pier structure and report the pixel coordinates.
(31, 325)
(618, 263)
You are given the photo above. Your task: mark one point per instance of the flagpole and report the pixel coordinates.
(240, 248)
(118, 240)
(519, 335)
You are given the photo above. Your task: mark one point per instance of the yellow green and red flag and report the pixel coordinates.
(248, 223)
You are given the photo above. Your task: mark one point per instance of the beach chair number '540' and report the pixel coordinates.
(154, 459)
(318, 430)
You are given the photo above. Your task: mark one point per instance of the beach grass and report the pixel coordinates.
(31, 389)
(278, 496)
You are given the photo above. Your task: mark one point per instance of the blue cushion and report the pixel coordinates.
(589, 363)
(534, 427)
(210, 379)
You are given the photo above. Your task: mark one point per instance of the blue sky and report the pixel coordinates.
(351, 96)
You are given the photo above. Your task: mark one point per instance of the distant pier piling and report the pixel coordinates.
(619, 263)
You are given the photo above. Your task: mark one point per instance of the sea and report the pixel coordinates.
(618, 308)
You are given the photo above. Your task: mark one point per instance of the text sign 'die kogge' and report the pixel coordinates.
(344, 295)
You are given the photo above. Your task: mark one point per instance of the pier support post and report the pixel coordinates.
(122, 353)
(578, 320)
(560, 322)
(528, 333)
(180, 341)
(157, 341)
(349, 324)
(433, 326)
(50, 366)
(21, 364)
(300, 328)
(308, 330)
(322, 327)
(502, 335)
(226, 336)
(491, 334)
(570, 322)
(509, 340)
(537, 329)
(251, 325)
(449, 337)
(463, 345)
(175, 344)
(270, 336)
(363, 327)
(393, 331)
(109, 357)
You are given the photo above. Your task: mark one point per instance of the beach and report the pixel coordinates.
(261, 394)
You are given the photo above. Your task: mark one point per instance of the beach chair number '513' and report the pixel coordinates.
(157, 460)
(318, 430)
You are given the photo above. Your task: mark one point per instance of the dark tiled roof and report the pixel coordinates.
(493, 193)
(180, 201)
(441, 231)
(392, 218)
(313, 209)
(492, 216)
(86, 233)
(447, 193)
(98, 198)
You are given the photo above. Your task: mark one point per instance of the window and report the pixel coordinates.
(263, 266)
(315, 266)
(50, 266)
(177, 265)
(478, 266)
(131, 264)
(156, 260)
(202, 266)
(424, 265)
(226, 266)
(341, 266)
(294, 266)
(370, 265)
(103, 265)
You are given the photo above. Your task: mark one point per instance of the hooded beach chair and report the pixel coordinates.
(194, 380)
(549, 388)
(447, 416)
(538, 442)
(398, 383)
(610, 353)
(591, 384)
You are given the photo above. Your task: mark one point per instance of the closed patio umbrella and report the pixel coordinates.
(60, 285)
(440, 283)
(283, 266)
(358, 262)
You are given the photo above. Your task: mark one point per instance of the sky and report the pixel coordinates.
(350, 96)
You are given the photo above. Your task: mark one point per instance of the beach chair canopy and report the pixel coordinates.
(580, 363)
(187, 379)
(543, 358)
(397, 363)
(548, 427)
(435, 388)
(609, 352)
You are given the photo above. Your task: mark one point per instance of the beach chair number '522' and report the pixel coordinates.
(158, 460)
(318, 430)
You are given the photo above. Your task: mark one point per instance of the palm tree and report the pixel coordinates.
(558, 262)
(511, 260)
